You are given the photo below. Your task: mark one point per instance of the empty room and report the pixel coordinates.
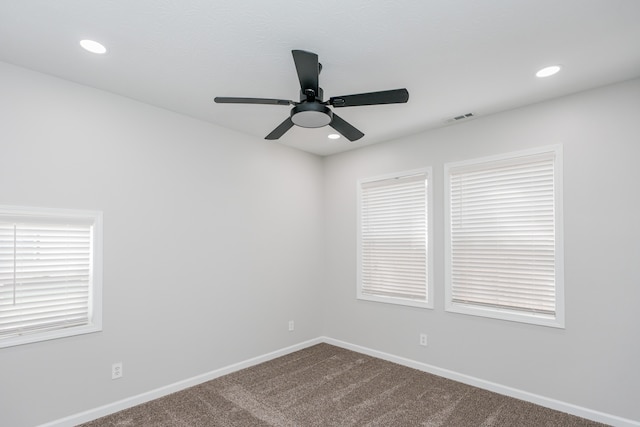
(336, 213)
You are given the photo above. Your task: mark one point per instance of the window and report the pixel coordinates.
(394, 260)
(503, 237)
(50, 274)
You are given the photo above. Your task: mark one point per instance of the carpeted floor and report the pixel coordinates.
(326, 385)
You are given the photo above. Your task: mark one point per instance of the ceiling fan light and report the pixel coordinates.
(333, 136)
(312, 115)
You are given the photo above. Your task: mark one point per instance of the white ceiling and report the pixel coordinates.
(454, 56)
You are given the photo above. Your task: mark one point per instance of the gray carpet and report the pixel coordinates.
(326, 385)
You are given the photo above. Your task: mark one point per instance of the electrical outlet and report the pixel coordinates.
(290, 325)
(423, 339)
(116, 371)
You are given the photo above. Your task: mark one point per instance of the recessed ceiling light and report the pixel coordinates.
(93, 46)
(333, 136)
(548, 71)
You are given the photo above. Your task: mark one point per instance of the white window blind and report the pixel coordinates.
(393, 239)
(46, 275)
(503, 236)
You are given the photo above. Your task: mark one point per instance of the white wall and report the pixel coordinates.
(212, 242)
(593, 362)
(236, 236)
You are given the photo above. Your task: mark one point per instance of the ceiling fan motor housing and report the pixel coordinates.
(310, 95)
(311, 115)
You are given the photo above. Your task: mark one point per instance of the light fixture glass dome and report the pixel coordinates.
(311, 115)
(311, 119)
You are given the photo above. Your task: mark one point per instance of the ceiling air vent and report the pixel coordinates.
(465, 116)
(460, 117)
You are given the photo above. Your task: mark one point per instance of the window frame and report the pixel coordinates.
(557, 320)
(39, 215)
(360, 295)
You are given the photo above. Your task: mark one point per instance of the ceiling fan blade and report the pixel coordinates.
(281, 129)
(308, 69)
(345, 129)
(228, 100)
(395, 96)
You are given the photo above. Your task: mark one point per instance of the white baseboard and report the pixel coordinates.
(120, 405)
(547, 402)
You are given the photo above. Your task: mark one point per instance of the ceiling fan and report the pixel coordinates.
(312, 111)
